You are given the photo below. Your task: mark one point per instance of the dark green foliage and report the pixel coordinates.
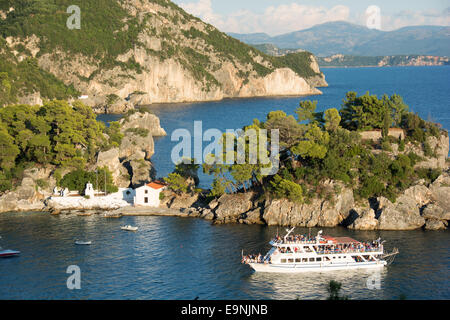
(112, 98)
(26, 77)
(367, 112)
(430, 175)
(283, 188)
(77, 180)
(334, 289)
(179, 180)
(176, 183)
(115, 136)
(107, 30)
(142, 132)
(56, 133)
(299, 62)
(417, 129)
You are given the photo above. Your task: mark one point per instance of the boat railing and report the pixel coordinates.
(363, 250)
(275, 242)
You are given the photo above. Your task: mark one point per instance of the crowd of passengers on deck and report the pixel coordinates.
(326, 249)
(295, 239)
(348, 247)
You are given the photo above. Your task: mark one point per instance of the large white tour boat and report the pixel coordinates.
(300, 253)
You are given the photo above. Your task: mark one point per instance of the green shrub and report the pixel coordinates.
(142, 132)
(386, 146)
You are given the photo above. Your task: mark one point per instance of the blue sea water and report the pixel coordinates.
(179, 258)
(173, 258)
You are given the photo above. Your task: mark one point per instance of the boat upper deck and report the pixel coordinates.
(301, 239)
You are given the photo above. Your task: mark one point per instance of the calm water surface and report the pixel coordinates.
(172, 258)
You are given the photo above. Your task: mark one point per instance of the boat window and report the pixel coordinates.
(304, 260)
(291, 260)
(298, 260)
(319, 259)
(283, 260)
(311, 259)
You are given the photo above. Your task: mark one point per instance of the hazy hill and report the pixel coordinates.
(146, 51)
(340, 60)
(351, 39)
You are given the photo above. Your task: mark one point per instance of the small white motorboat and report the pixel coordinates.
(129, 228)
(83, 243)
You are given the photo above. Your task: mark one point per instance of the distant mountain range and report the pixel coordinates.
(350, 39)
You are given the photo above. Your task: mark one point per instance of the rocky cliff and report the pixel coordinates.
(130, 162)
(168, 56)
(420, 206)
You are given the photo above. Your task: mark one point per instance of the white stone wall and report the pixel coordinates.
(148, 193)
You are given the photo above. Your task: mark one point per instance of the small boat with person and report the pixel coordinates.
(303, 253)
(129, 228)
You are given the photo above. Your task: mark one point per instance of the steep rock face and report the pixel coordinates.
(174, 201)
(142, 172)
(317, 213)
(440, 146)
(130, 162)
(440, 193)
(365, 219)
(29, 196)
(286, 213)
(435, 224)
(243, 208)
(172, 57)
(403, 215)
(143, 120)
(280, 82)
(232, 206)
(110, 159)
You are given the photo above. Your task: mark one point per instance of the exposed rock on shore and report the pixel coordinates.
(130, 162)
(28, 196)
(419, 206)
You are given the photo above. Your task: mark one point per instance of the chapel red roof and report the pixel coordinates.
(156, 185)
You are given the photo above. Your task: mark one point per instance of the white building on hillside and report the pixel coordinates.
(148, 195)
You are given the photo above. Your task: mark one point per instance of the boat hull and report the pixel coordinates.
(9, 253)
(293, 268)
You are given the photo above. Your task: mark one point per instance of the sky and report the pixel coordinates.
(282, 16)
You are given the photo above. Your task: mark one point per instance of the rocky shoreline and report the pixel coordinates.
(423, 205)
(420, 206)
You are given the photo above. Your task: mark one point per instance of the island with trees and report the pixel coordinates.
(372, 164)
